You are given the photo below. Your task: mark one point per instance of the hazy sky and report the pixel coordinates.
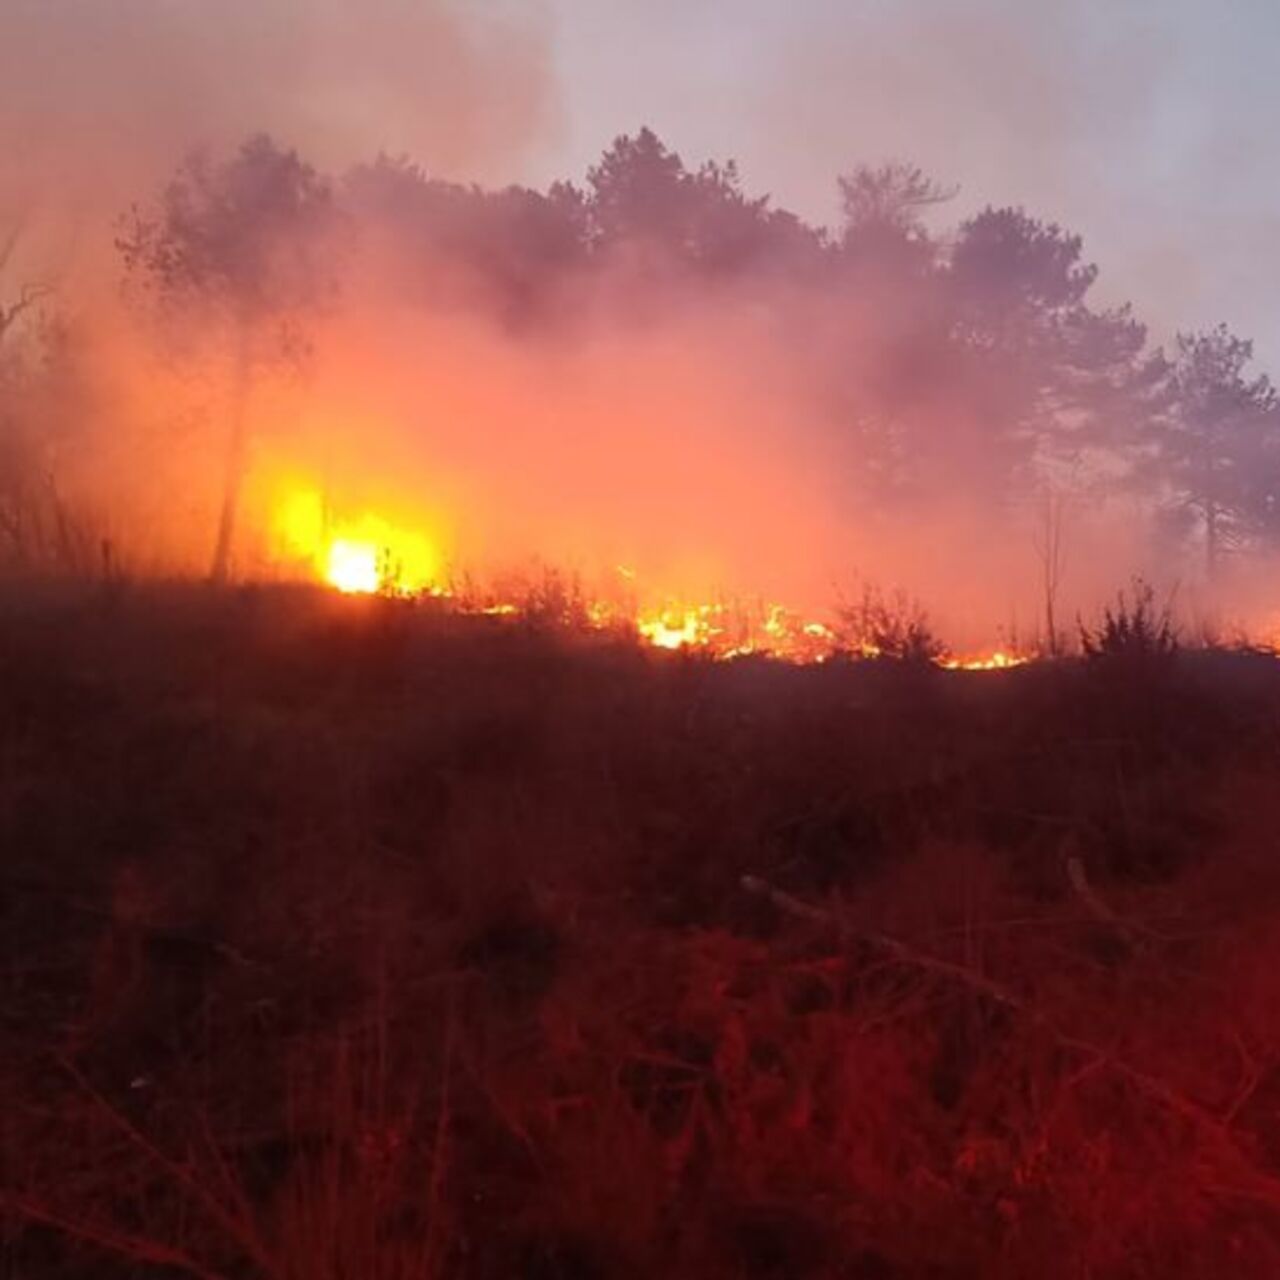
(1150, 126)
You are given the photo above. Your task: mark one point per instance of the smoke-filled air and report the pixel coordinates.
(273, 307)
(639, 640)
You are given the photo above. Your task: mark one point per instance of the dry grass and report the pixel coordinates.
(341, 938)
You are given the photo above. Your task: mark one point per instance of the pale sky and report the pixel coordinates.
(1152, 127)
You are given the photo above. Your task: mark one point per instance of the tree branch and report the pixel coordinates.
(29, 295)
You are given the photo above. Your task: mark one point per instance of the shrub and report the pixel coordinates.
(1135, 630)
(895, 628)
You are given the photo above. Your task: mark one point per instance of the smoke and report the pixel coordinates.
(103, 97)
(677, 434)
(1138, 124)
(700, 437)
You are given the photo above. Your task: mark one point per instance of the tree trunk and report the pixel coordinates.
(233, 480)
(1048, 547)
(1211, 537)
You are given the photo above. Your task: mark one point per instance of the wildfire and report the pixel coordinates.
(1000, 660)
(367, 554)
(360, 555)
(352, 567)
(680, 628)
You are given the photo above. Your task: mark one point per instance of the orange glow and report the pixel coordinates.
(1000, 660)
(360, 555)
(679, 628)
(369, 554)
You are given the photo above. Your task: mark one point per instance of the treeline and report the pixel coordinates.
(968, 359)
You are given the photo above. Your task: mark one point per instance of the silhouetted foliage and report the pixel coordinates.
(884, 239)
(244, 237)
(894, 628)
(267, 1015)
(1040, 373)
(967, 362)
(456, 245)
(642, 199)
(1134, 630)
(242, 245)
(1215, 451)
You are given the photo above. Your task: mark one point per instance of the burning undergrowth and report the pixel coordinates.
(666, 388)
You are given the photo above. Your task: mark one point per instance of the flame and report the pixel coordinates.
(679, 628)
(359, 555)
(369, 554)
(999, 660)
(352, 567)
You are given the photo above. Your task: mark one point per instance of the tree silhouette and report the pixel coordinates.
(455, 245)
(1046, 374)
(27, 295)
(641, 197)
(639, 192)
(242, 246)
(966, 362)
(1216, 451)
(884, 236)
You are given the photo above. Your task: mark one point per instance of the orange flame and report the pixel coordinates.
(368, 554)
(360, 555)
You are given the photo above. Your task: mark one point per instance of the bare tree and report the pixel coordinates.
(29, 294)
(1049, 551)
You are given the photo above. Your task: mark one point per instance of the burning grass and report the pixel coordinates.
(364, 936)
(369, 555)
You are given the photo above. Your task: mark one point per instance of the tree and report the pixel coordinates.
(28, 295)
(639, 191)
(883, 273)
(240, 245)
(1047, 376)
(451, 244)
(883, 208)
(731, 231)
(1216, 450)
(642, 196)
(31, 514)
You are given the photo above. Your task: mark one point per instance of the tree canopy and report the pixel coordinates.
(965, 358)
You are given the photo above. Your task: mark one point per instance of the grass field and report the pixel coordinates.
(341, 939)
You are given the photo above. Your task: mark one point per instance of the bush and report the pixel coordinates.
(897, 629)
(1134, 630)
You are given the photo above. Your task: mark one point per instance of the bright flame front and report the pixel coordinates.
(368, 554)
(357, 555)
(352, 567)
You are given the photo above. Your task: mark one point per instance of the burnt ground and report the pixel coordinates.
(340, 938)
